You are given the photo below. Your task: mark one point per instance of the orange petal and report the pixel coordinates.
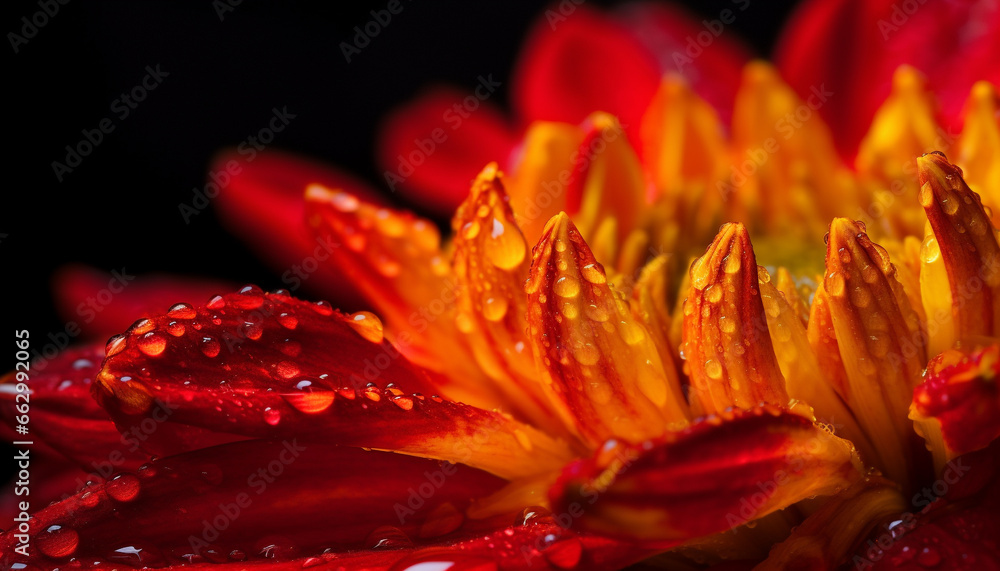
(607, 179)
(691, 484)
(805, 381)
(961, 242)
(726, 341)
(395, 259)
(599, 365)
(793, 295)
(538, 180)
(828, 537)
(881, 344)
(979, 145)
(685, 150)
(903, 128)
(957, 407)
(491, 263)
(786, 176)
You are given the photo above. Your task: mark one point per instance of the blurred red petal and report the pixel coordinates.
(102, 303)
(65, 417)
(263, 203)
(719, 474)
(268, 365)
(267, 499)
(705, 53)
(579, 62)
(852, 48)
(432, 148)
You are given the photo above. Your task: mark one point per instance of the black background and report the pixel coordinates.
(119, 208)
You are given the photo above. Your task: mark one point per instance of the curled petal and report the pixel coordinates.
(261, 201)
(431, 148)
(691, 484)
(979, 145)
(599, 365)
(256, 365)
(960, 277)
(491, 262)
(828, 537)
(726, 340)
(881, 345)
(957, 407)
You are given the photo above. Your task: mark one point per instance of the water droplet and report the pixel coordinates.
(834, 284)
(114, 345)
(272, 416)
(372, 393)
(310, 397)
(123, 487)
(930, 251)
(367, 325)
(322, 308)
(176, 329)
(403, 402)
(713, 293)
(388, 537)
(290, 347)
(564, 554)
(470, 230)
(594, 274)
(534, 515)
(182, 311)
(286, 369)
(217, 302)
(713, 369)
(506, 249)
(845, 256)
(495, 308)
(566, 286)
(288, 320)
(58, 541)
(443, 519)
(732, 263)
(152, 343)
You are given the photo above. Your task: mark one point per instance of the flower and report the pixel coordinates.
(614, 393)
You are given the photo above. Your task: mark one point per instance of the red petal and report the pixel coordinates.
(267, 365)
(583, 62)
(852, 47)
(956, 532)
(712, 477)
(263, 203)
(704, 53)
(65, 416)
(246, 496)
(102, 304)
(432, 148)
(960, 392)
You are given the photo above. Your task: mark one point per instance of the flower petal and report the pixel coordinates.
(881, 346)
(962, 240)
(691, 483)
(265, 498)
(267, 365)
(979, 145)
(103, 303)
(957, 407)
(599, 365)
(433, 147)
(574, 65)
(263, 204)
(491, 262)
(396, 261)
(726, 342)
(677, 39)
(65, 416)
(953, 43)
(827, 538)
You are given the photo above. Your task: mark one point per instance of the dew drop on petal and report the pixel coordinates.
(368, 325)
(566, 286)
(58, 541)
(123, 487)
(152, 343)
(210, 347)
(288, 320)
(272, 416)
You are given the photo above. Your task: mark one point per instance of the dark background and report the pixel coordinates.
(119, 208)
